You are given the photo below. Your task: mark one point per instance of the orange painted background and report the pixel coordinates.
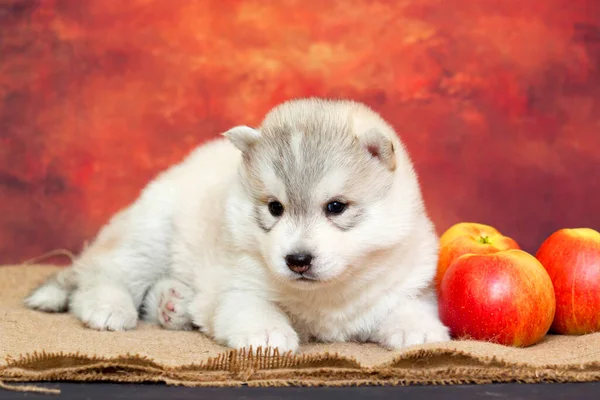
(498, 101)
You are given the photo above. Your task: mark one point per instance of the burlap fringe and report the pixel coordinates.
(266, 367)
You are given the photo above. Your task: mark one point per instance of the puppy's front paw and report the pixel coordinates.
(409, 334)
(111, 317)
(105, 308)
(414, 336)
(283, 338)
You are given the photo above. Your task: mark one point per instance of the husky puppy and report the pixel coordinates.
(311, 226)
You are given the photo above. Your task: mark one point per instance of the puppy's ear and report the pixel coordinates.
(379, 146)
(243, 137)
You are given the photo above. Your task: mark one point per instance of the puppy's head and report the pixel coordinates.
(330, 187)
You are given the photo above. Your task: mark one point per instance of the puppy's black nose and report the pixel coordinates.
(298, 262)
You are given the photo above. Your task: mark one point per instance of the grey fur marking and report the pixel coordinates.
(259, 220)
(325, 142)
(353, 220)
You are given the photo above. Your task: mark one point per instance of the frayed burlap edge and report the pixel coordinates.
(269, 368)
(428, 358)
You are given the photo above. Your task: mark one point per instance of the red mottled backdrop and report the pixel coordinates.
(497, 100)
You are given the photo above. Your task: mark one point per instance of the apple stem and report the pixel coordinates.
(485, 240)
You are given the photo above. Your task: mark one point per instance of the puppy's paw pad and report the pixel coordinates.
(173, 307)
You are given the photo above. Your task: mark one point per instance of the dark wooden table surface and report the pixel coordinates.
(459, 392)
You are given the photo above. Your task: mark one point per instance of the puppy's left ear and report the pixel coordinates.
(379, 146)
(243, 137)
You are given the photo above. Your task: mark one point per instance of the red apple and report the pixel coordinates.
(505, 297)
(572, 259)
(469, 237)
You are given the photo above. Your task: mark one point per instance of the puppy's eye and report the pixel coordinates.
(335, 207)
(276, 208)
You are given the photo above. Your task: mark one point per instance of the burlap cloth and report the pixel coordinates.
(35, 347)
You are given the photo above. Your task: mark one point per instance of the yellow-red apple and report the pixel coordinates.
(572, 259)
(467, 229)
(505, 297)
(469, 238)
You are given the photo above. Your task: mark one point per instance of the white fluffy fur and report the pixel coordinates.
(189, 250)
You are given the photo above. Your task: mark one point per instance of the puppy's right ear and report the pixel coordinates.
(243, 137)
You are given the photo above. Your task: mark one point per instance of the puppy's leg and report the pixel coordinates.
(414, 321)
(167, 304)
(244, 319)
(112, 277)
(99, 302)
(105, 286)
